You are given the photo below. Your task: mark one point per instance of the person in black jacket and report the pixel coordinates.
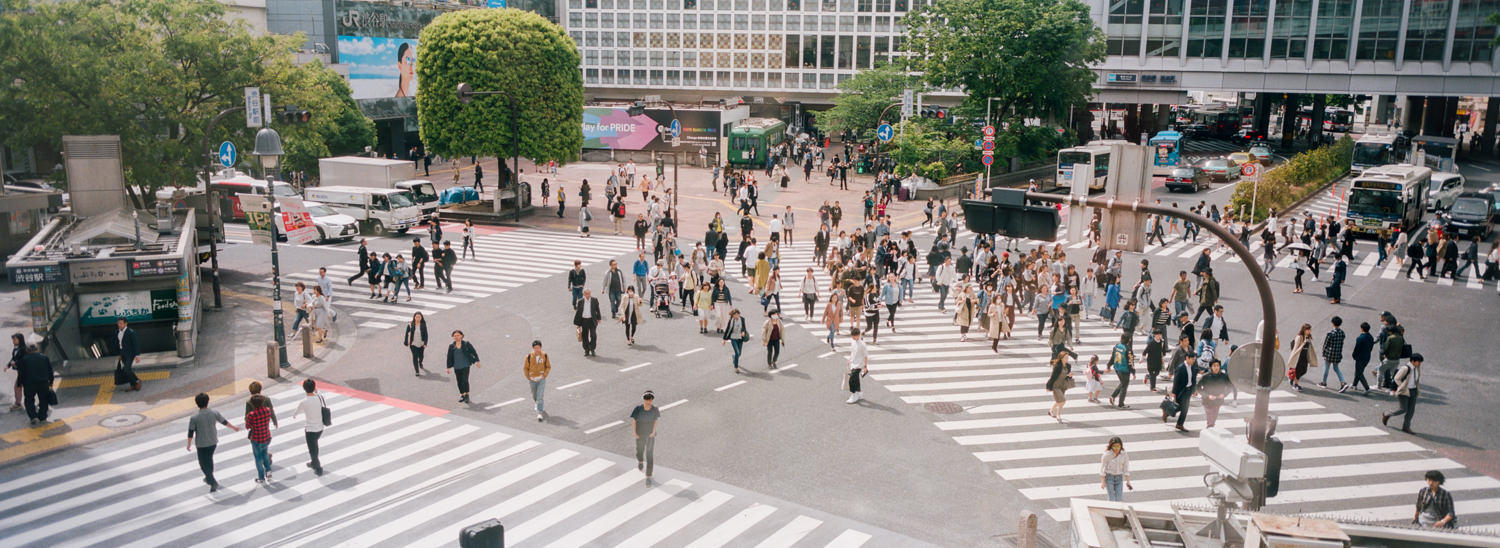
(586, 317)
(17, 351)
(364, 261)
(36, 381)
(449, 259)
(1182, 389)
(1154, 352)
(461, 356)
(418, 260)
(129, 349)
(576, 278)
(416, 340)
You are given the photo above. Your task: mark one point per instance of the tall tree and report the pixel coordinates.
(517, 52)
(1032, 56)
(862, 98)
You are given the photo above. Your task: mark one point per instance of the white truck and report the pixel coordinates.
(380, 173)
(377, 209)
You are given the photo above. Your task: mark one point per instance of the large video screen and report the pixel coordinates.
(612, 128)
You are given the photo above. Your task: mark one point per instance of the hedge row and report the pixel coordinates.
(1300, 176)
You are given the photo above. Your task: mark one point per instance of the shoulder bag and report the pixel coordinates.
(327, 413)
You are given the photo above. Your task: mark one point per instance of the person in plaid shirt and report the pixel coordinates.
(258, 421)
(1333, 351)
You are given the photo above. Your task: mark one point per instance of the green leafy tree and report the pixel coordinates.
(861, 99)
(509, 50)
(153, 72)
(1032, 56)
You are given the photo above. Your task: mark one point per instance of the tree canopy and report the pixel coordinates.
(1032, 56)
(155, 72)
(517, 52)
(862, 98)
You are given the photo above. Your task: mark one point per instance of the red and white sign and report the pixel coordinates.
(989, 131)
(1248, 170)
(1062, 130)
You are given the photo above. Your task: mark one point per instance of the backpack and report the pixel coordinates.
(620, 209)
(1119, 360)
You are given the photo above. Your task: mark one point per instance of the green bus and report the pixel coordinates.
(750, 139)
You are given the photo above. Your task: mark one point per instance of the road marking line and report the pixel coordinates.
(634, 367)
(505, 403)
(572, 384)
(598, 428)
(825, 354)
(673, 404)
(693, 351)
(730, 385)
(783, 368)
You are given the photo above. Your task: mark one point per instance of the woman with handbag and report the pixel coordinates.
(416, 340)
(995, 326)
(630, 314)
(963, 315)
(735, 335)
(1303, 356)
(1059, 383)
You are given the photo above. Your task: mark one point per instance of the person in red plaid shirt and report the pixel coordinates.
(259, 421)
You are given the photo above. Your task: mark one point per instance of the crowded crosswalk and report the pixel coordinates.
(994, 405)
(395, 476)
(501, 262)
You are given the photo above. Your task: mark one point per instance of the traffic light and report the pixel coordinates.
(636, 109)
(292, 115)
(1006, 214)
(1273, 465)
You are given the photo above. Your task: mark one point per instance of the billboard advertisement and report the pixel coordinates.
(612, 128)
(379, 43)
(134, 306)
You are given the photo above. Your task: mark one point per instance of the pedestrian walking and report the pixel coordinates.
(536, 368)
(584, 216)
(1155, 349)
(1392, 350)
(1060, 381)
(576, 278)
(376, 273)
(1119, 361)
(1212, 389)
(630, 314)
(772, 336)
(258, 422)
(311, 411)
(859, 366)
(586, 319)
(1435, 504)
(34, 374)
(468, 247)
(1303, 356)
(1363, 345)
(1114, 470)
(300, 303)
(1336, 284)
(320, 315)
(17, 351)
(450, 259)
(644, 418)
(203, 435)
(129, 348)
(1182, 390)
(722, 303)
(734, 335)
(434, 231)
(416, 341)
(326, 284)
(364, 261)
(462, 356)
(1407, 380)
(1333, 352)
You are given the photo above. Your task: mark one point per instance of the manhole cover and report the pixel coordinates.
(121, 421)
(944, 408)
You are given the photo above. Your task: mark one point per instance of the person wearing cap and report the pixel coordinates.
(1407, 381)
(1183, 382)
(644, 418)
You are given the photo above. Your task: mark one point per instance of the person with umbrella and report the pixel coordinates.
(1299, 264)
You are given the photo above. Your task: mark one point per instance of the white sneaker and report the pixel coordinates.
(859, 396)
(852, 398)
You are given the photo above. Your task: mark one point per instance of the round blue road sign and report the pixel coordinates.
(227, 154)
(676, 128)
(885, 132)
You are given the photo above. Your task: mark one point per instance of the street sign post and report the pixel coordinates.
(1062, 130)
(254, 117)
(907, 98)
(987, 160)
(989, 131)
(227, 154)
(676, 128)
(885, 132)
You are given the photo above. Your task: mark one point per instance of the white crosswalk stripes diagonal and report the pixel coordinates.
(393, 477)
(1002, 415)
(501, 262)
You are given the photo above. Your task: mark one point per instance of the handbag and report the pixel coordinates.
(327, 413)
(1405, 351)
(1169, 406)
(1068, 382)
(51, 397)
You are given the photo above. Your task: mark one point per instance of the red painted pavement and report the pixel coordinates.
(386, 400)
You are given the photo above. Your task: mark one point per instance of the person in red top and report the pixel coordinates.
(259, 421)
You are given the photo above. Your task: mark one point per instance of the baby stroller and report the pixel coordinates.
(661, 298)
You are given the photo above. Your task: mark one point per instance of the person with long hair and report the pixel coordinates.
(1059, 383)
(468, 250)
(1114, 470)
(630, 314)
(703, 305)
(1303, 356)
(17, 351)
(833, 313)
(416, 341)
(406, 70)
(461, 356)
(1212, 389)
(319, 304)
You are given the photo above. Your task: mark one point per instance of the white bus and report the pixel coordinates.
(1374, 150)
(1091, 163)
(1388, 197)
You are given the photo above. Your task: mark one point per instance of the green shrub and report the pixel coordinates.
(1300, 176)
(935, 171)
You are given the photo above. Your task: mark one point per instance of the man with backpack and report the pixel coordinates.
(1119, 360)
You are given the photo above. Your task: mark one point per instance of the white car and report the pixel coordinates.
(331, 224)
(1444, 190)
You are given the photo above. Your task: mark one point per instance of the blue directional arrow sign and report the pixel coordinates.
(885, 132)
(676, 128)
(227, 154)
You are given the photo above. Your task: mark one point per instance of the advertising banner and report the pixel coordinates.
(296, 222)
(379, 43)
(612, 128)
(258, 216)
(105, 308)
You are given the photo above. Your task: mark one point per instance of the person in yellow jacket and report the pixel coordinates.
(762, 272)
(536, 368)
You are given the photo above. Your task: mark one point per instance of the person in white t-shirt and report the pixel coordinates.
(859, 366)
(311, 410)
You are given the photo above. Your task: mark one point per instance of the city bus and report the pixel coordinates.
(1165, 152)
(1089, 163)
(1437, 152)
(1338, 120)
(1374, 150)
(1387, 197)
(751, 139)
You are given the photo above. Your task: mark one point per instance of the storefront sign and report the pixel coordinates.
(134, 306)
(36, 274)
(155, 267)
(99, 271)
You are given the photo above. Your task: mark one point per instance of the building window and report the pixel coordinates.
(606, 39)
(724, 80)
(658, 78)
(656, 4)
(846, 52)
(689, 21)
(1335, 22)
(689, 78)
(639, 77)
(882, 50)
(1472, 36)
(1164, 28)
(1124, 27)
(674, 77)
(741, 22)
(793, 46)
(775, 23)
(639, 21)
(827, 81)
(830, 5)
(705, 78)
(864, 23)
(1379, 25)
(862, 52)
(1427, 31)
(826, 48)
(829, 24)
(1247, 38)
(883, 24)
(1289, 35)
(657, 58)
(674, 58)
(758, 80)
(809, 81)
(846, 23)
(607, 20)
(793, 5)
(575, 20)
(773, 80)
(607, 76)
(809, 51)
(793, 22)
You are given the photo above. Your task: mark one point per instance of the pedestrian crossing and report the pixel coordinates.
(394, 477)
(500, 262)
(1334, 464)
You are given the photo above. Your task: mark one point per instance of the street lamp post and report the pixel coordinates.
(465, 96)
(268, 150)
(640, 108)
